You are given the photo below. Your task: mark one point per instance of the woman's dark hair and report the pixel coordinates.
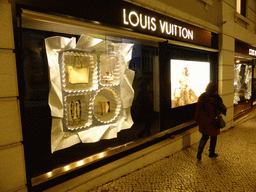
(211, 88)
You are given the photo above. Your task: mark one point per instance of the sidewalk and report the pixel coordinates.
(233, 170)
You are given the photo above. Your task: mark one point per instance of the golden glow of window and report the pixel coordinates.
(238, 6)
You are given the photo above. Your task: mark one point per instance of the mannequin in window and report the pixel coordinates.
(184, 94)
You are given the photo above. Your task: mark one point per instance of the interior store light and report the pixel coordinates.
(80, 163)
(66, 167)
(49, 173)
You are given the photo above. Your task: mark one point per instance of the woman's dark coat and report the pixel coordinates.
(208, 108)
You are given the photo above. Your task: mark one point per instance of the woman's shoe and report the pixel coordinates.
(213, 155)
(199, 156)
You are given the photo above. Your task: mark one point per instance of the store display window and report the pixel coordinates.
(184, 75)
(186, 84)
(85, 94)
(254, 85)
(243, 84)
(89, 95)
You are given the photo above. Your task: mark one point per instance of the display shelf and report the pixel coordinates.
(78, 71)
(106, 105)
(77, 111)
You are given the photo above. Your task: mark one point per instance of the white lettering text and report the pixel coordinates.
(147, 22)
(175, 30)
(252, 52)
(153, 22)
(137, 20)
(124, 17)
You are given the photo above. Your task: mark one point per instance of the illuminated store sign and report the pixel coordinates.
(245, 49)
(252, 52)
(138, 19)
(175, 30)
(143, 21)
(133, 18)
(152, 24)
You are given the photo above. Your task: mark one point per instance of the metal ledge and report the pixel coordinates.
(244, 115)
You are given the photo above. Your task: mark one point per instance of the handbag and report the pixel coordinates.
(220, 122)
(78, 74)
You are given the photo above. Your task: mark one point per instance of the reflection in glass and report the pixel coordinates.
(145, 109)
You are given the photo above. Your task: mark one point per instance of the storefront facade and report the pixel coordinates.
(239, 37)
(244, 83)
(101, 84)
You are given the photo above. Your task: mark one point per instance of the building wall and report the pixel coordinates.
(12, 164)
(209, 10)
(226, 65)
(234, 27)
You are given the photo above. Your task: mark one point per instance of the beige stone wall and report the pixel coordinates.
(206, 10)
(226, 75)
(233, 28)
(12, 164)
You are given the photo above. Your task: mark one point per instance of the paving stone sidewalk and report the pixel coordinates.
(233, 170)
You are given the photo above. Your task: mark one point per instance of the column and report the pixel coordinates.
(226, 61)
(12, 163)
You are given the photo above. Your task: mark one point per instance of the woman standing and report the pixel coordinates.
(209, 106)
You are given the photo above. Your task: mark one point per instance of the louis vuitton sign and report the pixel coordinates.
(150, 23)
(145, 21)
(245, 49)
(129, 17)
(252, 52)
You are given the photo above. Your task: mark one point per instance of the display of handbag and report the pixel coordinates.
(220, 122)
(77, 73)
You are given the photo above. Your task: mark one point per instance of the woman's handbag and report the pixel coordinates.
(220, 122)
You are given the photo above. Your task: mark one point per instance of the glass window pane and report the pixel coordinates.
(242, 87)
(238, 6)
(37, 123)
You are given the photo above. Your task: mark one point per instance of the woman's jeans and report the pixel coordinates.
(203, 142)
